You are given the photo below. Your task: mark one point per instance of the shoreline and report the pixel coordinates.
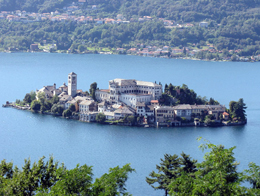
(150, 125)
(111, 53)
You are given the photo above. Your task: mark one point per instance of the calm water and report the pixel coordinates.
(24, 134)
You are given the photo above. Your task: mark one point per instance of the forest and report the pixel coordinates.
(232, 25)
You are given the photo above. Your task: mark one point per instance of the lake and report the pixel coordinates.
(24, 134)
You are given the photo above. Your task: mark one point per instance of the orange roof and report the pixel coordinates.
(104, 90)
(154, 101)
(225, 113)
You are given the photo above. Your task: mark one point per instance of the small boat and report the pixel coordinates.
(146, 126)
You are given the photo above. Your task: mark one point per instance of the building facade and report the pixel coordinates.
(130, 91)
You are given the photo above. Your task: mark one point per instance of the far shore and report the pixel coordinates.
(110, 53)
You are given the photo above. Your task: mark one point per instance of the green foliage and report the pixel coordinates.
(100, 118)
(33, 95)
(72, 108)
(32, 5)
(209, 122)
(252, 175)
(237, 109)
(81, 48)
(184, 95)
(57, 109)
(27, 98)
(232, 25)
(52, 178)
(170, 168)
(67, 113)
(131, 119)
(77, 181)
(216, 175)
(55, 99)
(166, 99)
(41, 97)
(92, 90)
(18, 102)
(35, 105)
(112, 183)
(32, 177)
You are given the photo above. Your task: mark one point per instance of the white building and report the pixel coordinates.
(87, 106)
(133, 99)
(140, 109)
(88, 117)
(102, 107)
(77, 99)
(183, 110)
(47, 90)
(130, 91)
(203, 24)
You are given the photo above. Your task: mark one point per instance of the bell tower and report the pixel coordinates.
(72, 84)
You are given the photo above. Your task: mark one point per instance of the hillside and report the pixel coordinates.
(179, 10)
(233, 25)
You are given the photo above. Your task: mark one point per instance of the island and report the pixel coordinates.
(132, 102)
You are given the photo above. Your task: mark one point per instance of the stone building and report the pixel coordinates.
(130, 91)
(72, 84)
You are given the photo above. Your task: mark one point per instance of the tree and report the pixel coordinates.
(167, 170)
(35, 105)
(172, 168)
(237, 109)
(92, 90)
(112, 183)
(55, 99)
(81, 48)
(100, 118)
(46, 106)
(131, 119)
(41, 97)
(67, 113)
(33, 95)
(52, 178)
(77, 181)
(32, 177)
(57, 109)
(216, 175)
(213, 102)
(72, 108)
(27, 98)
(252, 175)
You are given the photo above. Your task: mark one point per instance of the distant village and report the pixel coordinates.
(71, 13)
(130, 102)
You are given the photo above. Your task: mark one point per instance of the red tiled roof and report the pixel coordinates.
(225, 113)
(154, 101)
